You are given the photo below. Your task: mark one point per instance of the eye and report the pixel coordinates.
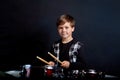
(66, 27)
(60, 28)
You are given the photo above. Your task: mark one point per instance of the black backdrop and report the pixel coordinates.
(27, 28)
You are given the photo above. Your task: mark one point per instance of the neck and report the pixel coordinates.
(67, 40)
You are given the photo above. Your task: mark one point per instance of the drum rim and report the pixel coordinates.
(48, 67)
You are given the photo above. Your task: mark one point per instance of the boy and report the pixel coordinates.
(67, 49)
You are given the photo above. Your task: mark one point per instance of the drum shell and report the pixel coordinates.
(48, 70)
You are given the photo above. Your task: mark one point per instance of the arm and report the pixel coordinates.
(80, 62)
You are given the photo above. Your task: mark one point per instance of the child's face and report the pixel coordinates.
(65, 30)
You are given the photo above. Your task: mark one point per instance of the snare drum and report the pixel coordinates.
(48, 70)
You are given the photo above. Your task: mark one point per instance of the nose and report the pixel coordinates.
(63, 29)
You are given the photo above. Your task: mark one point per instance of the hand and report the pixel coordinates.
(65, 64)
(51, 63)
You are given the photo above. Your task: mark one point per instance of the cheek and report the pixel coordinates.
(59, 31)
(70, 31)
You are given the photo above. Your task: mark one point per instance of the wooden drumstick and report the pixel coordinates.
(42, 60)
(54, 57)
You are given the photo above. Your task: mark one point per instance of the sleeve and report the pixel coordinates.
(80, 62)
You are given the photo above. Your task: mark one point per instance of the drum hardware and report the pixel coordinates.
(26, 70)
(58, 73)
(75, 74)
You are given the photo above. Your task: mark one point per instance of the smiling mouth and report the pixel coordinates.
(63, 34)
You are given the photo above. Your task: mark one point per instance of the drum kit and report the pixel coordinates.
(58, 72)
(29, 72)
(55, 72)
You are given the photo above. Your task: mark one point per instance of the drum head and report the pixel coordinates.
(48, 67)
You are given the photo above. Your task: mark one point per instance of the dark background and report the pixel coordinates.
(28, 27)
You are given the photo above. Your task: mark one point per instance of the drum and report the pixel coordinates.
(26, 70)
(58, 72)
(48, 71)
(74, 74)
(93, 74)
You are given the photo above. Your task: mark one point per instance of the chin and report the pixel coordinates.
(64, 37)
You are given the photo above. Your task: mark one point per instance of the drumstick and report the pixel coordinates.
(42, 60)
(54, 57)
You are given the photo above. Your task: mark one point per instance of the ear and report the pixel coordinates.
(73, 28)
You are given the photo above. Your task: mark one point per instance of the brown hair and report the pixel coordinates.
(65, 18)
